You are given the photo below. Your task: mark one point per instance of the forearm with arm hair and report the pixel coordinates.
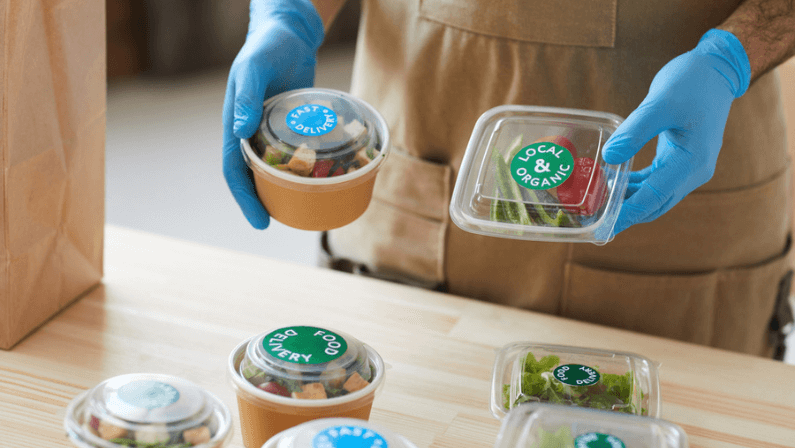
(766, 28)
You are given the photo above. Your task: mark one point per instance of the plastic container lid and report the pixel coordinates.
(338, 433)
(601, 379)
(147, 408)
(537, 425)
(306, 362)
(537, 173)
(317, 136)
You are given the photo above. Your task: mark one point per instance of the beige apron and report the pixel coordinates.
(708, 272)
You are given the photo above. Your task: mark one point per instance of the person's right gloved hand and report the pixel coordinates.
(278, 55)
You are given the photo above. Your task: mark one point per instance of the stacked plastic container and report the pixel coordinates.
(566, 397)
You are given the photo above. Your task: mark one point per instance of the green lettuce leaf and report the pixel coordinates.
(546, 364)
(561, 438)
(619, 386)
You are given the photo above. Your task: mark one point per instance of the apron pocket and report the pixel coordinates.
(673, 306)
(727, 308)
(401, 235)
(748, 302)
(706, 231)
(590, 23)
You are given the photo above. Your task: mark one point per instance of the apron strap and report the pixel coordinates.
(781, 324)
(329, 260)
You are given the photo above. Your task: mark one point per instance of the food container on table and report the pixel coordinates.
(537, 173)
(338, 433)
(290, 375)
(585, 377)
(147, 409)
(540, 425)
(315, 157)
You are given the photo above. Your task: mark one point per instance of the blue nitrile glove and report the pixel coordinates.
(687, 105)
(278, 55)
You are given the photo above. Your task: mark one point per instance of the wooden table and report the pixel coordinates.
(174, 307)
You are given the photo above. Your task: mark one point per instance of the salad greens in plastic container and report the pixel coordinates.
(147, 411)
(290, 361)
(289, 375)
(315, 157)
(544, 425)
(536, 173)
(585, 377)
(338, 433)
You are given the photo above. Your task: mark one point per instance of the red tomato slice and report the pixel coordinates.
(560, 141)
(322, 168)
(572, 192)
(275, 388)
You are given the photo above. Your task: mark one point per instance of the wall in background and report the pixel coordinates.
(161, 38)
(125, 37)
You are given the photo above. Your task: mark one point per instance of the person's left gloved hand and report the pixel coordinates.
(687, 105)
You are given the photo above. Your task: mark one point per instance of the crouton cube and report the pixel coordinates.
(196, 436)
(363, 158)
(110, 432)
(311, 391)
(355, 382)
(303, 161)
(154, 434)
(88, 428)
(338, 133)
(355, 129)
(334, 377)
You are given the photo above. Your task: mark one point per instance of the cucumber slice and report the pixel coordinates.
(515, 211)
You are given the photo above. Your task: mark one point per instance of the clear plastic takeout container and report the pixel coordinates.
(538, 425)
(585, 377)
(537, 173)
(289, 375)
(338, 433)
(147, 409)
(315, 156)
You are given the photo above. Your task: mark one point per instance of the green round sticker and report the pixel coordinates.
(304, 345)
(598, 440)
(542, 165)
(576, 375)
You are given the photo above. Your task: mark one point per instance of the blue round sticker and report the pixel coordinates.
(312, 119)
(348, 437)
(148, 394)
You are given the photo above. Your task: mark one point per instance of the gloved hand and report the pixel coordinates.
(278, 55)
(687, 105)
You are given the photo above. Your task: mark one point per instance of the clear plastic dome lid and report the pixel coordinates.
(152, 410)
(538, 425)
(537, 173)
(318, 133)
(338, 433)
(307, 362)
(527, 372)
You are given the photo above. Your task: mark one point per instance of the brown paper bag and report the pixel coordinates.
(52, 143)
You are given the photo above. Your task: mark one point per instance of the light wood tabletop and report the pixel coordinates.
(169, 306)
